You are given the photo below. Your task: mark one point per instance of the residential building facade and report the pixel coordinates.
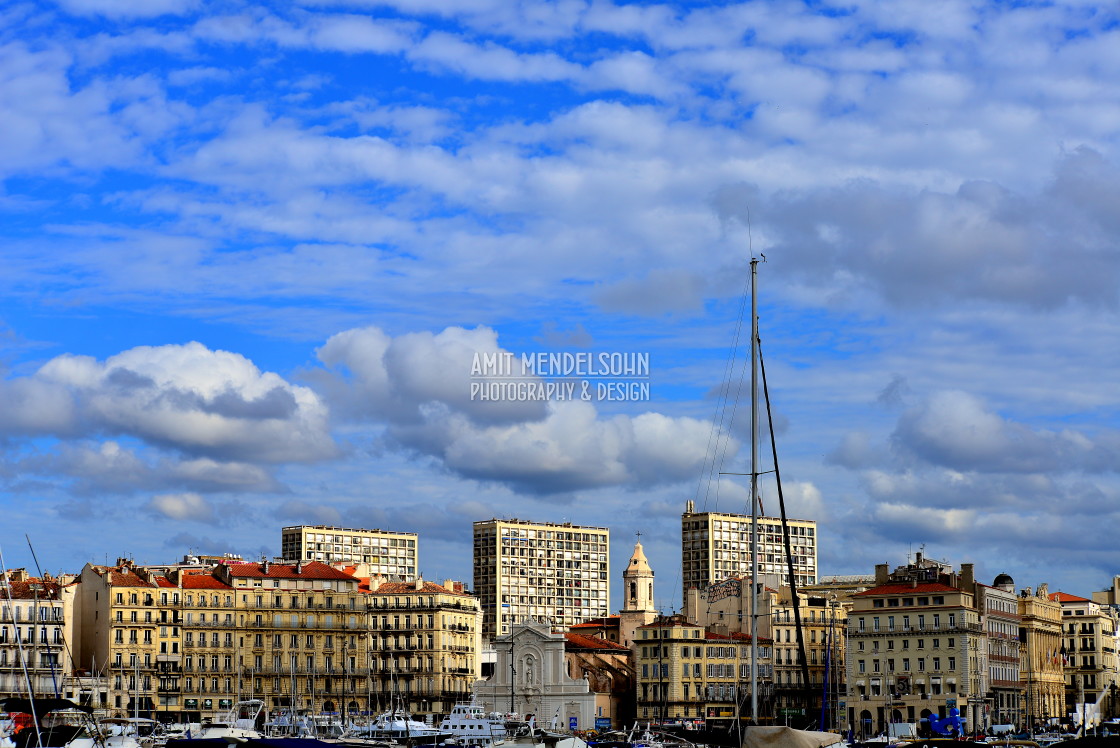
(725, 608)
(36, 627)
(716, 546)
(424, 643)
(1089, 631)
(1041, 674)
(386, 553)
(119, 634)
(686, 673)
(1002, 625)
(916, 648)
(294, 632)
(540, 571)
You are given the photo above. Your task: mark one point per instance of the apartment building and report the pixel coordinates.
(210, 676)
(385, 553)
(537, 571)
(717, 546)
(823, 626)
(119, 634)
(424, 643)
(725, 608)
(36, 621)
(686, 673)
(293, 633)
(1002, 625)
(916, 647)
(1041, 675)
(1089, 631)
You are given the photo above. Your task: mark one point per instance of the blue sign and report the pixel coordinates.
(572, 723)
(602, 723)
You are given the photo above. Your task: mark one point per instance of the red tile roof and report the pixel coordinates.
(309, 570)
(1065, 597)
(582, 641)
(164, 582)
(203, 582)
(902, 588)
(126, 578)
(23, 591)
(409, 588)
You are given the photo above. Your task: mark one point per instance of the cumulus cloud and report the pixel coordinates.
(206, 404)
(419, 385)
(98, 468)
(983, 242)
(183, 507)
(956, 430)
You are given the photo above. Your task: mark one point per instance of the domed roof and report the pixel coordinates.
(1003, 579)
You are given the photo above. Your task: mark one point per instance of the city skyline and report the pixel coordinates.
(263, 263)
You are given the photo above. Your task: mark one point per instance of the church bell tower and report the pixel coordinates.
(637, 595)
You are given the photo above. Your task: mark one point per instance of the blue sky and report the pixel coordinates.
(249, 251)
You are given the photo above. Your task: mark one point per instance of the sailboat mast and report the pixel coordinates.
(754, 490)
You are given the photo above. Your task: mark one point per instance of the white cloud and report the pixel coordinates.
(956, 430)
(185, 397)
(420, 385)
(182, 507)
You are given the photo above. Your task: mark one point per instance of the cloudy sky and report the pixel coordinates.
(249, 253)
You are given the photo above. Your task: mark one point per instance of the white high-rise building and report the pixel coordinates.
(392, 554)
(540, 571)
(717, 545)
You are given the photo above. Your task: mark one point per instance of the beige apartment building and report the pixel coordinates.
(424, 645)
(717, 546)
(36, 628)
(1041, 673)
(687, 673)
(119, 634)
(1089, 631)
(298, 637)
(1001, 622)
(725, 608)
(916, 647)
(186, 643)
(1109, 599)
(540, 571)
(384, 553)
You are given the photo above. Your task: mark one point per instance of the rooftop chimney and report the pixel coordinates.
(968, 581)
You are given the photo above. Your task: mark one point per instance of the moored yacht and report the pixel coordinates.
(470, 725)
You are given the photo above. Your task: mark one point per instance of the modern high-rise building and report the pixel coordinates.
(391, 554)
(530, 570)
(716, 546)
